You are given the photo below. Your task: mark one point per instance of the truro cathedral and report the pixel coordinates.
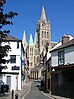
(34, 51)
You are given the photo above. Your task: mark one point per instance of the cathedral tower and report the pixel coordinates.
(31, 52)
(42, 32)
(35, 51)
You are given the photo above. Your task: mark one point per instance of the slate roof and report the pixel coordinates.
(36, 51)
(11, 38)
(36, 68)
(70, 43)
(53, 44)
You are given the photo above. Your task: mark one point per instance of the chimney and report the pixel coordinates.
(65, 39)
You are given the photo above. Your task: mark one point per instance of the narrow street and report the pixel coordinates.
(35, 92)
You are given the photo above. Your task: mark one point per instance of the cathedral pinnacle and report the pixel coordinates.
(24, 40)
(43, 15)
(31, 40)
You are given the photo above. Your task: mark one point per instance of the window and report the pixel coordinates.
(31, 58)
(31, 54)
(13, 58)
(31, 64)
(17, 44)
(37, 59)
(31, 49)
(39, 26)
(61, 58)
(42, 42)
(47, 34)
(42, 34)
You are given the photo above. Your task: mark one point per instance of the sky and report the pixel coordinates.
(59, 12)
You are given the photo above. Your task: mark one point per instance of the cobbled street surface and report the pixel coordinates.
(35, 92)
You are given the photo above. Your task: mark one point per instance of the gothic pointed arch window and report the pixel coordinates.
(44, 34)
(47, 34)
(42, 42)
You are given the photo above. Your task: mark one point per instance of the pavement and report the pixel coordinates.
(25, 90)
(35, 92)
(57, 97)
(20, 93)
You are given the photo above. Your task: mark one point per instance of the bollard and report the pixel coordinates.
(16, 96)
(12, 94)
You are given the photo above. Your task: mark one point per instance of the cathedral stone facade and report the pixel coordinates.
(35, 51)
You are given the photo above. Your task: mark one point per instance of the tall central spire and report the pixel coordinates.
(43, 15)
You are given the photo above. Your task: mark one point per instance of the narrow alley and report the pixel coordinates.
(35, 92)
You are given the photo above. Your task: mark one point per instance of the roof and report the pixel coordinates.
(11, 38)
(70, 43)
(36, 51)
(43, 15)
(37, 68)
(31, 40)
(53, 44)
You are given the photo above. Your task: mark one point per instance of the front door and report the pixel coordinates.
(8, 81)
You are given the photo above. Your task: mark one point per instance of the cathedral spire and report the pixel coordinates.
(31, 40)
(43, 15)
(24, 40)
(24, 37)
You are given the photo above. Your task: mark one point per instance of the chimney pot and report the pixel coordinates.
(65, 39)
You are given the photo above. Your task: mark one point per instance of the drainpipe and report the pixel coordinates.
(21, 64)
(50, 83)
(50, 80)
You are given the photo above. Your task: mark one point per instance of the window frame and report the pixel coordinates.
(61, 57)
(12, 60)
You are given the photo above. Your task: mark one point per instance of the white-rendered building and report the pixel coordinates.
(12, 75)
(63, 54)
(62, 68)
